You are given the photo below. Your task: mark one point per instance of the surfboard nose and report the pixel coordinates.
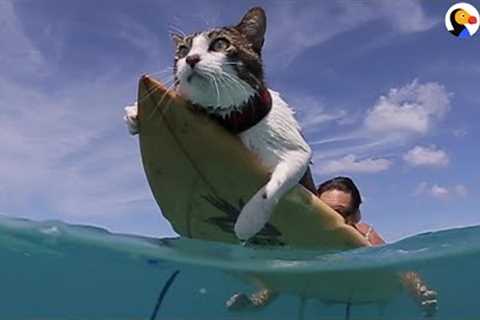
(146, 79)
(148, 82)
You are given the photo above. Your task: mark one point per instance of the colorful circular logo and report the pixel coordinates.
(462, 20)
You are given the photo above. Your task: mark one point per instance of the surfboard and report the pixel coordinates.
(201, 175)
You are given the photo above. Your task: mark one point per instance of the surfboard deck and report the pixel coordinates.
(201, 176)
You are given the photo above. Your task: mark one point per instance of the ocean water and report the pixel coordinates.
(51, 270)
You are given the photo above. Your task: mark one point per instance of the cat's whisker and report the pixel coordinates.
(152, 91)
(175, 29)
(210, 69)
(235, 82)
(169, 69)
(233, 63)
(166, 77)
(228, 88)
(162, 71)
(168, 82)
(210, 74)
(166, 94)
(149, 93)
(218, 91)
(213, 72)
(259, 83)
(251, 75)
(208, 24)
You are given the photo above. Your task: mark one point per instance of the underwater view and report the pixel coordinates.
(51, 270)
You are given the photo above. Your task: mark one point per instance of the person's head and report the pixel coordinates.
(342, 195)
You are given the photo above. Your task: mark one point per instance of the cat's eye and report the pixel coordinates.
(182, 51)
(219, 44)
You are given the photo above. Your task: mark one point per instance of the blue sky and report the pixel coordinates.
(383, 92)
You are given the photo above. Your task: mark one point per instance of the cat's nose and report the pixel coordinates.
(192, 60)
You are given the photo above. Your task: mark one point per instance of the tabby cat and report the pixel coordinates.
(220, 71)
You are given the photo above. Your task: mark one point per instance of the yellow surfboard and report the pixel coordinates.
(201, 175)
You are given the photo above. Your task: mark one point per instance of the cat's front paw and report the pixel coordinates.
(254, 215)
(131, 118)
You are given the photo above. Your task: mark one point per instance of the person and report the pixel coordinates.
(342, 195)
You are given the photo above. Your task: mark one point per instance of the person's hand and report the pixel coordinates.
(426, 299)
(428, 302)
(257, 300)
(237, 302)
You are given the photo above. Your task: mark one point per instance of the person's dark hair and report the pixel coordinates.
(344, 184)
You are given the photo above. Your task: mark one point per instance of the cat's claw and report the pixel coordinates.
(254, 215)
(131, 118)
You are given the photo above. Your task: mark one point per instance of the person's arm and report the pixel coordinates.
(370, 234)
(375, 239)
(256, 300)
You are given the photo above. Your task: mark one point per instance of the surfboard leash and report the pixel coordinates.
(301, 308)
(348, 307)
(164, 291)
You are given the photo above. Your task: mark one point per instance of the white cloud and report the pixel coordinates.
(350, 164)
(402, 115)
(312, 114)
(412, 109)
(64, 154)
(461, 190)
(60, 151)
(441, 192)
(311, 25)
(18, 54)
(138, 35)
(426, 156)
(318, 117)
(460, 133)
(421, 188)
(406, 16)
(397, 118)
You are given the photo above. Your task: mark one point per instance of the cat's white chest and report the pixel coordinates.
(275, 135)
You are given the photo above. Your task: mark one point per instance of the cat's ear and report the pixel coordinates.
(253, 26)
(176, 38)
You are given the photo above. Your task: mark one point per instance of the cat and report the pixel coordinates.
(221, 72)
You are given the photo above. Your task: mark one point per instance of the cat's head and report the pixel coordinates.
(222, 67)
